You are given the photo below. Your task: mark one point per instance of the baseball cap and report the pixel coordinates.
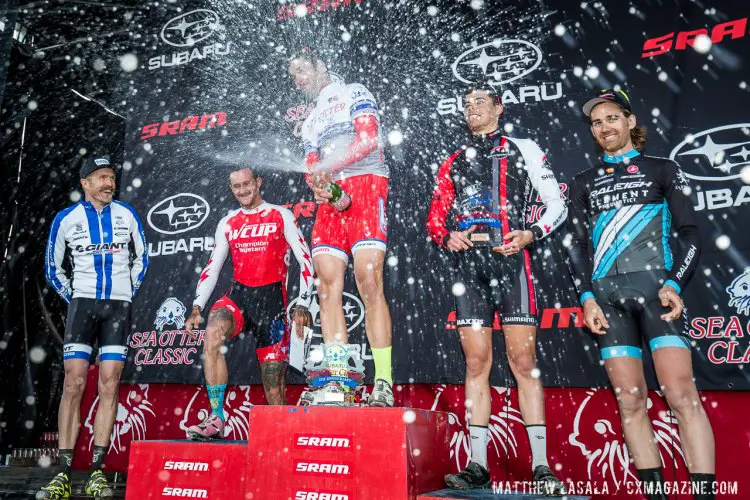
(618, 97)
(94, 163)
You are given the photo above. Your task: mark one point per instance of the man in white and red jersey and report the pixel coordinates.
(342, 145)
(258, 236)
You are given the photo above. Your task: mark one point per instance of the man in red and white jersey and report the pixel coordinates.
(258, 236)
(342, 145)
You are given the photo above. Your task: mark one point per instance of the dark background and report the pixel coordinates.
(404, 57)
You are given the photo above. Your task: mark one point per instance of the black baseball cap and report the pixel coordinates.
(94, 163)
(618, 97)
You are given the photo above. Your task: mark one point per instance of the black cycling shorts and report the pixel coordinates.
(260, 311)
(632, 307)
(105, 321)
(495, 283)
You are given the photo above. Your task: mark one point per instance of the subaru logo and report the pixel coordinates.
(190, 28)
(497, 62)
(715, 154)
(354, 312)
(178, 214)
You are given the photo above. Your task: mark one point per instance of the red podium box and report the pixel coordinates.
(333, 453)
(185, 469)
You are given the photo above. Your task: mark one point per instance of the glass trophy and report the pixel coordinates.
(480, 208)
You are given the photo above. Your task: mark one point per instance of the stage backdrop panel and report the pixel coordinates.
(211, 90)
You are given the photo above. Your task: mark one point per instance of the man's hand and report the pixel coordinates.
(193, 321)
(670, 298)
(301, 318)
(515, 241)
(459, 240)
(318, 182)
(593, 317)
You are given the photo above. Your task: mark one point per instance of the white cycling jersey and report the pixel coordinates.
(329, 128)
(108, 251)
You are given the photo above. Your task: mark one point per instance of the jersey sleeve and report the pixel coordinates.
(309, 140)
(578, 250)
(684, 226)
(210, 275)
(301, 251)
(53, 270)
(543, 181)
(362, 102)
(139, 264)
(443, 197)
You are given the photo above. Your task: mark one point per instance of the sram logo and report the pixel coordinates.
(319, 495)
(684, 39)
(323, 468)
(253, 231)
(323, 442)
(168, 491)
(194, 466)
(191, 123)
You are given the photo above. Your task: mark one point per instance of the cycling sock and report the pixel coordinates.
(382, 358)
(538, 441)
(216, 398)
(478, 435)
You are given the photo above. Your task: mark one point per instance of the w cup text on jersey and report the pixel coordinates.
(105, 240)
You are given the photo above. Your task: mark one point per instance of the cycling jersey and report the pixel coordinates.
(519, 166)
(329, 129)
(108, 251)
(623, 213)
(259, 241)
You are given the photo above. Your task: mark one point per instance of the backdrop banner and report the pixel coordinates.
(207, 88)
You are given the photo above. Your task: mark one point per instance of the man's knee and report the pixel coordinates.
(478, 364)
(109, 384)
(683, 398)
(74, 385)
(369, 283)
(631, 400)
(522, 363)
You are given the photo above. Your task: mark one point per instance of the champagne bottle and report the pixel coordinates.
(339, 199)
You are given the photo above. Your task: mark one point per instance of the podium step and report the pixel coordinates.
(485, 495)
(187, 469)
(346, 453)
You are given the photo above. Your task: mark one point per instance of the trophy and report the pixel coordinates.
(327, 377)
(480, 208)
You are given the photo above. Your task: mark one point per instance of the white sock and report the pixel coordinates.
(538, 441)
(479, 444)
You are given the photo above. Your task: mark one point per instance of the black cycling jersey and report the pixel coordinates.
(623, 213)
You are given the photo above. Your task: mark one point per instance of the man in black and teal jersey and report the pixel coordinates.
(626, 212)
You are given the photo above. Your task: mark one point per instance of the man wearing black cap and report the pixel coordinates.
(104, 240)
(624, 212)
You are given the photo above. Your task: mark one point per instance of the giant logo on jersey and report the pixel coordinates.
(498, 63)
(178, 214)
(187, 31)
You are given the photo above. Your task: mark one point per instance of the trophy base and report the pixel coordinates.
(486, 240)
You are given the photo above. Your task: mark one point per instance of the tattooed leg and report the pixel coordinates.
(220, 326)
(274, 381)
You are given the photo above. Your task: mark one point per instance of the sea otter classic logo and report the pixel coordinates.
(739, 293)
(171, 312)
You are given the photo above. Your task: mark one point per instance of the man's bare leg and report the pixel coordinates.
(274, 381)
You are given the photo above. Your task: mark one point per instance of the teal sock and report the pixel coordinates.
(216, 398)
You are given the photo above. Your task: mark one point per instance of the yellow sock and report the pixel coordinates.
(382, 358)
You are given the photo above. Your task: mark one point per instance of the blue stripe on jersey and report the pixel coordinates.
(666, 224)
(144, 259)
(93, 219)
(625, 237)
(49, 264)
(622, 351)
(365, 105)
(668, 341)
(108, 238)
(601, 223)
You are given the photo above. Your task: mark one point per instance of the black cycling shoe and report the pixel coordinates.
(473, 477)
(548, 482)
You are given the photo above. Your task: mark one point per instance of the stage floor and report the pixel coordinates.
(18, 483)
